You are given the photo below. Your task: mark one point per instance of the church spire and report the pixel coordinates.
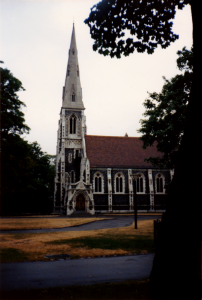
(72, 92)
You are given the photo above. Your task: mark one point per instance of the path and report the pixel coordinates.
(118, 221)
(33, 275)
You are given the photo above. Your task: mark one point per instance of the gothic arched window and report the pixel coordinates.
(140, 184)
(73, 97)
(72, 126)
(159, 183)
(119, 183)
(98, 183)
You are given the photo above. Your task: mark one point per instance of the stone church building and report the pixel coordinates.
(94, 173)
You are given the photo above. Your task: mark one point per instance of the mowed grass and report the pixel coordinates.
(111, 242)
(42, 223)
(79, 244)
(12, 255)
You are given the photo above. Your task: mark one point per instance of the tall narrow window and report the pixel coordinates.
(159, 183)
(84, 176)
(119, 183)
(140, 184)
(98, 183)
(72, 176)
(73, 97)
(68, 70)
(73, 124)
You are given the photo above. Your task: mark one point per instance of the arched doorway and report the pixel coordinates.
(80, 202)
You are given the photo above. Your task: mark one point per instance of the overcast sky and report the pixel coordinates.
(35, 39)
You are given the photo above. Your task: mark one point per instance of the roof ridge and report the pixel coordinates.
(114, 136)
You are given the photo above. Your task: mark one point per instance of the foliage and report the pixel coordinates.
(27, 176)
(11, 115)
(148, 23)
(166, 111)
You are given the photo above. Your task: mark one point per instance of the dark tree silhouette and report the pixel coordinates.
(165, 113)
(27, 181)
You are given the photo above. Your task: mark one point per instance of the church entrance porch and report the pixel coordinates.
(80, 203)
(80, 198)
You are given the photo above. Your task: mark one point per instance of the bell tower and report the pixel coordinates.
(72, 165)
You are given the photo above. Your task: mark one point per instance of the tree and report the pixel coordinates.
(27, 176)
(165, 113)
(12, 117)
(150, 22)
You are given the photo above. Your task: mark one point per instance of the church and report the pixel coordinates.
(94, 174)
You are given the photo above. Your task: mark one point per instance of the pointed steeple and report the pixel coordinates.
(72, 92)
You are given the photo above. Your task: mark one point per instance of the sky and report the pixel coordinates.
(35, 40)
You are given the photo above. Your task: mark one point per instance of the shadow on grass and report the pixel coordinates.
(19, 236)
(111, 242)
(12, 255)
(137, 290)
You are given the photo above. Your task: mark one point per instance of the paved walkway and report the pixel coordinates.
(33, 275)
(116, 222)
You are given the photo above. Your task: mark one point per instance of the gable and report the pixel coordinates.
(122, 152)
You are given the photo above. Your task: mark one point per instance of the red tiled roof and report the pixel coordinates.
(115, 151)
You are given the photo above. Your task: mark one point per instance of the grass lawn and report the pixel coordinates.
(112, 242)
(78, 244)
(42, 223)
(128, 290)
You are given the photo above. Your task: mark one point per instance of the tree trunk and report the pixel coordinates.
(176, 272)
